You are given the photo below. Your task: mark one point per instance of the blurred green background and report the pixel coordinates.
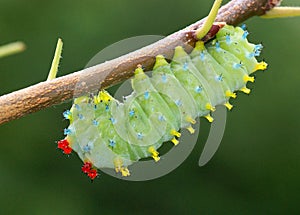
(255, 170)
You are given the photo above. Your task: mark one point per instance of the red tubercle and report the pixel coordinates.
(68, 150)
(61, 144)
(93, 174)
(87, 169)
(65, 146)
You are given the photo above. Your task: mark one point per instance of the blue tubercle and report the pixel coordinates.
(139, 135)
(77, 107)
(113, 120)
(67, 131)
(237, 65)
(80, 116)
(161, 118)
(67, 114)
(88, 147)
(198, 89)
(178, 102)
(95, 122)
(218, 48)
(245, 34)
(112, 143)
(131, 112)
(202, 56)
(219, 77)
(185, 66)
(228, 40)
(164, 78)
(244, 27)
(257, 49)
(250, 55)
(146, 95)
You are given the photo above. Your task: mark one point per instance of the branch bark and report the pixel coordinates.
(48, 93)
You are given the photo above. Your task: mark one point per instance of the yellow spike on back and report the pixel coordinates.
(160, 61)
(179, 53)
(138, 70)
(199, 46)
(103, 96)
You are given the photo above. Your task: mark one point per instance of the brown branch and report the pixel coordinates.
(46, 94)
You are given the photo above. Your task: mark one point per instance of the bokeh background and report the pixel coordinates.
(255, 171)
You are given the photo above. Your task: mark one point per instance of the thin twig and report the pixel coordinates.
(11, 48)
(201, 32)
(282, 12)
(46, 94)
(55, 61)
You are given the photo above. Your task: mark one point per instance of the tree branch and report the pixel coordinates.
(48, 93)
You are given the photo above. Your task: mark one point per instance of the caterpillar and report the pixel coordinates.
(107, 133)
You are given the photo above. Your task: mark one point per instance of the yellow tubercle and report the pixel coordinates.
(175, 133)
(248, 78)
(125, 172)
(245, 90)
(199, 46)
(175, 141)
(230, 94)
(190, 120)
(118, 163)
(179, 53)
(260, 66)
(152, 150)
(156, 158)
(154, 153)
(103, 96)
(71, 119)
(96, 100)
(138, 70)
(209, 118)
(191, 129)
(160, 61)
(139, 74)
(228, 105)
(208, 106)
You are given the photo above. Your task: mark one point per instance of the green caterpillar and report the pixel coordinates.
(106, 133)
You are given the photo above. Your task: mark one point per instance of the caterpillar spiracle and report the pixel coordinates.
(107, 133)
